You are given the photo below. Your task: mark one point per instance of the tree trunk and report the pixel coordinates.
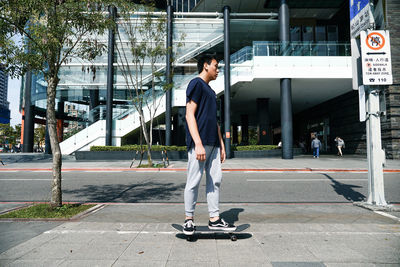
(146, 138)
(56, 193)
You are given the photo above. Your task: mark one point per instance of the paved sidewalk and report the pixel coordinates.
(279, 235)
(295, 234)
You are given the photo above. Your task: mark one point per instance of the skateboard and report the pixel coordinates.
(203, 230)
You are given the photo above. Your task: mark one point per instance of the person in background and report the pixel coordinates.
(315, 146)
(339, 144)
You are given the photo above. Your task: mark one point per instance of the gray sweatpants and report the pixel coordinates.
(212, 166)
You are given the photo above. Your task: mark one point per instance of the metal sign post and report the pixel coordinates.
(376, 156)
(376, 71)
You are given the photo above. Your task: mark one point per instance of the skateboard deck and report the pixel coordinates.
(203, 230)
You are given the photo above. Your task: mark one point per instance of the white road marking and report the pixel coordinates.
(103, 171)
(263, 171)
(23, 179)
(303, 180)
(387, 215)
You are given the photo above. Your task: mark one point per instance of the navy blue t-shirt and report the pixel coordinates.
(206, 113)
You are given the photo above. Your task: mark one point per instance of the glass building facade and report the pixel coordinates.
(317, 34)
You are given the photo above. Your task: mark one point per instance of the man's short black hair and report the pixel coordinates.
(205, 58)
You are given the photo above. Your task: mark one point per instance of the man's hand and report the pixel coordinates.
(223, 155)
(200, 152)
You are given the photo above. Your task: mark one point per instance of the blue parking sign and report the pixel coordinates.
(356, 6)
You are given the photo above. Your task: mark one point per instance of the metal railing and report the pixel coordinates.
(265, 48)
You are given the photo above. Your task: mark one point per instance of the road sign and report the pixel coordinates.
(360, 12)
(376, 59)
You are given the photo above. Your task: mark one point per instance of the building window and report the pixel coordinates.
(308, 33)
(295, 34)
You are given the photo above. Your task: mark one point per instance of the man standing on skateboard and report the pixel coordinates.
(206, 149)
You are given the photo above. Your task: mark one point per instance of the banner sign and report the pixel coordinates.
(359, 16)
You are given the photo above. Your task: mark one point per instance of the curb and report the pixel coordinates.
(24, 205)
(72, 219)
(303, 170)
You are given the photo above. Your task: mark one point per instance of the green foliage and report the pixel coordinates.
(255, 147)
(137, 148)
(176, 148)
(154, 165)
(47, 211)
(53, 31)
(39, 135)
(10, 135)
(71, 132)
(253, 136)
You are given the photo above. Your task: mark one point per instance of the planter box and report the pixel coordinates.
(172, 155)
(126, 155)
(274, 153)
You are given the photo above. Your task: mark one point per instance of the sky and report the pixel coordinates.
(14, 87)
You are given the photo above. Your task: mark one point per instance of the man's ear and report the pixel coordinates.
(205, 66)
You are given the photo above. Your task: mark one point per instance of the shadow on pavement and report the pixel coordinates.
(346, 190)
(231, 215)
(127, 193)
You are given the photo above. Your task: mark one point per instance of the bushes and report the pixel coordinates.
(176, 148)
(137, 147)
(254, 147)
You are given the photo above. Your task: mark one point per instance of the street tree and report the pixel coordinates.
(141, 52)
(53, 32)
(9, 135)
(40, 136)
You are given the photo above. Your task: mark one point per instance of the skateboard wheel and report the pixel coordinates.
(233, 237)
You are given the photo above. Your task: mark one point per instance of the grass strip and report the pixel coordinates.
(45, 211)
(155, 165)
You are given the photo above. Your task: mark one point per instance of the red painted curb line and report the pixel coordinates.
(184, 169)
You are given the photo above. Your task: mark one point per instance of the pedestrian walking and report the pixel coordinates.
(339, 144)
(315, 146)
(206, 149)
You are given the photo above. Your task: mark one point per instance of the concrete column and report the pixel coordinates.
(235, 138)
(110, 79)
(264, 128)
(94, 98)
(227, 76)
(286, 87)
(245, 129)
(168, 96)
(94, 102)
(179, 131)
(60, 130)
(286, 119)
(29, 116)
(60, 122)
(47, 144)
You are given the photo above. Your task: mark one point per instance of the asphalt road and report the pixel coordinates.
(244, 187)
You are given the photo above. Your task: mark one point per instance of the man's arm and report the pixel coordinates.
(221, 142)
(191, 107)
